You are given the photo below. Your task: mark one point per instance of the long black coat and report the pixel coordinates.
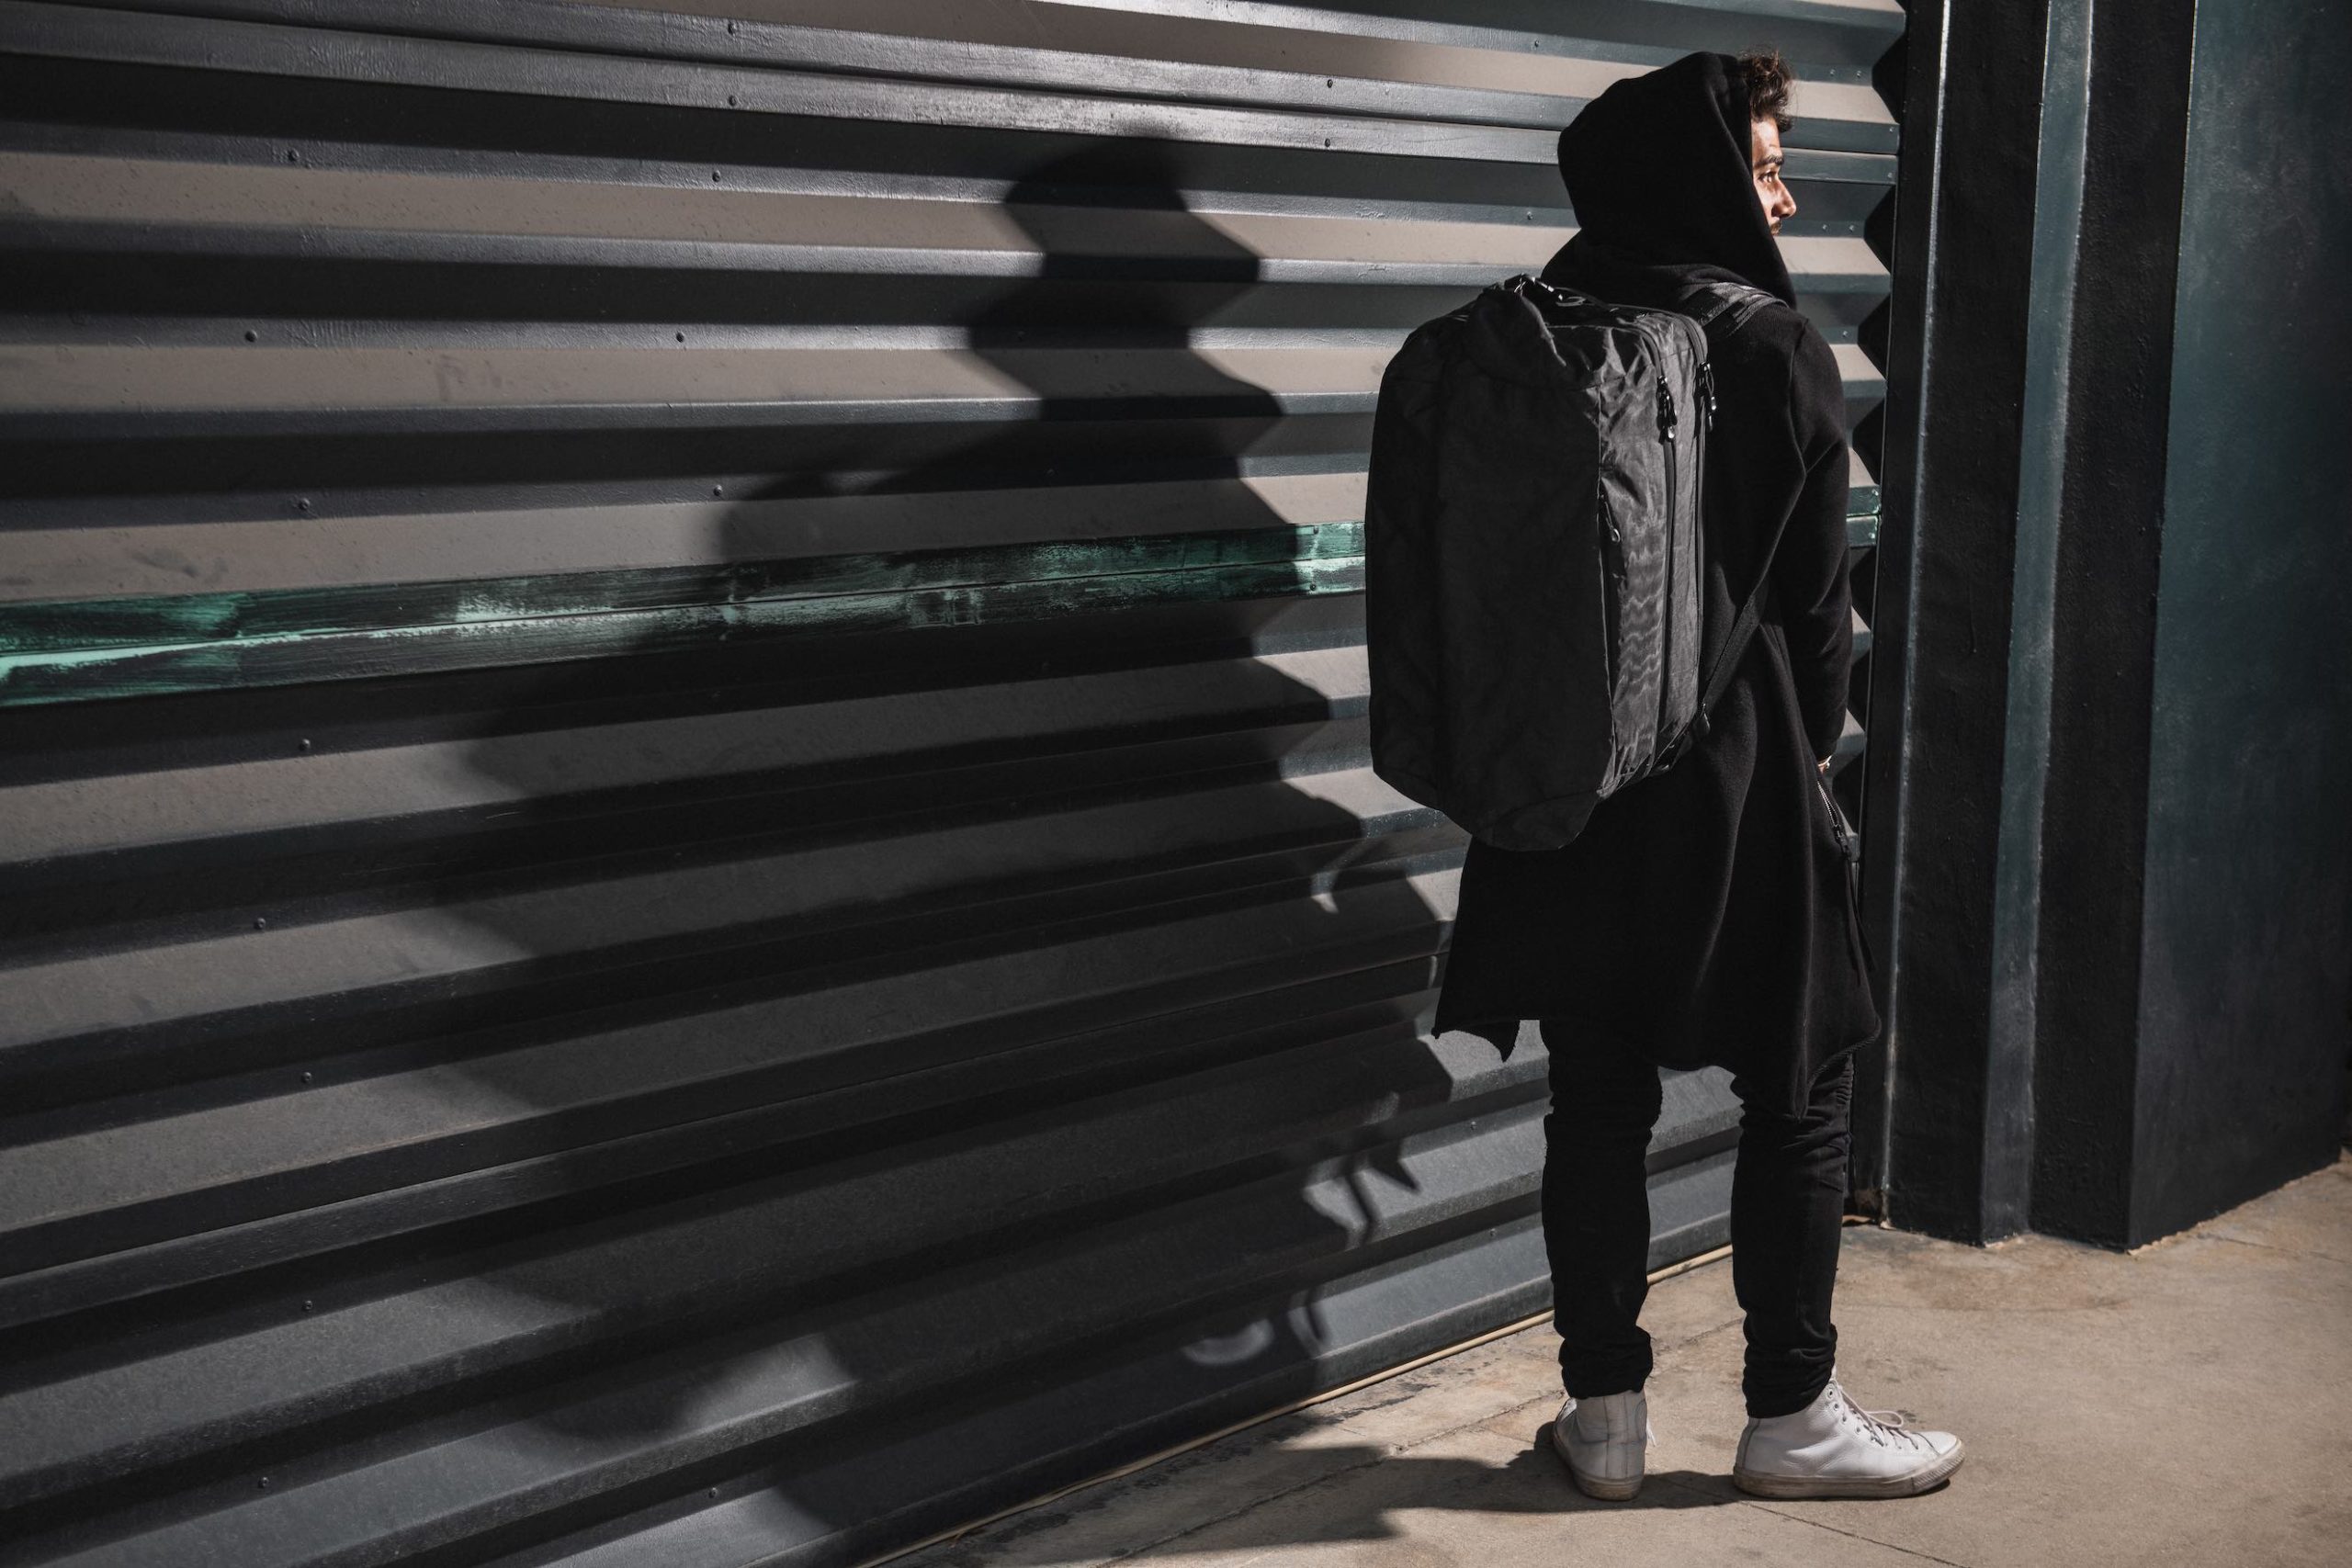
(1704, 916)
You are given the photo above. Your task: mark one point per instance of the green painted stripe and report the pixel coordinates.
(150, 622)
(93, 650)
(97, 649)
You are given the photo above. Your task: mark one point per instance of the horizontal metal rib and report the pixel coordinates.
(85, 574)
(207, 389)
(84, 204)
(818, 81)
(1427, 71)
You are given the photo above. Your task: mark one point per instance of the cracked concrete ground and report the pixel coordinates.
(2190, 1403)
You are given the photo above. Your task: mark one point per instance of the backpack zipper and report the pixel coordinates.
(1665, 423)
(1699, 524)
(1612, 560)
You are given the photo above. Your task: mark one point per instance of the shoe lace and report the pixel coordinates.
(1883, 1427)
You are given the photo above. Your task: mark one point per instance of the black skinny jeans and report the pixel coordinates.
(1788, 1198)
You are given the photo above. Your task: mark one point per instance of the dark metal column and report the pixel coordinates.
(1953, 1159)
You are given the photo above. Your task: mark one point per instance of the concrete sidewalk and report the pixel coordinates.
(2188, 1403)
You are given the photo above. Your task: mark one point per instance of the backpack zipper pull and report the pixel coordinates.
(1666, 419)
(1707, 394)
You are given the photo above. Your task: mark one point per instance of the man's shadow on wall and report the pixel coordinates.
(1101, 338)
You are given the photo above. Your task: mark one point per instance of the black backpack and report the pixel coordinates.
(1533, 555)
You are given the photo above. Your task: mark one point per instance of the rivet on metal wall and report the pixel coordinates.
(303, 744)
(682, 337)
(718, 490)
(261, 922)
(732, 100)
(252, 336)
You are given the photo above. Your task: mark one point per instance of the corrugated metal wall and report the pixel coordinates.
(689, 868)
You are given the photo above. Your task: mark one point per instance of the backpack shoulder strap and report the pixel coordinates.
(1727, 658)
(1704, 303)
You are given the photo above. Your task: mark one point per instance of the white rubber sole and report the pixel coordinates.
(1591, 1486)
(1917, 1481)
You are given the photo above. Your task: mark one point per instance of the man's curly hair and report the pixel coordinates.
(1768, 80)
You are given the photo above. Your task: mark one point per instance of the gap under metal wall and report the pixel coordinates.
(691, 873)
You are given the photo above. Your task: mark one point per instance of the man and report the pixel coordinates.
(1706, 915)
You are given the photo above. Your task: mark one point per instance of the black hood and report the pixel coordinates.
(1657, 169)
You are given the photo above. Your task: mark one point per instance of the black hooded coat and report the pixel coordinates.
(1703, 915)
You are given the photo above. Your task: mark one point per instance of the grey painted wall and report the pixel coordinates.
(690, 871)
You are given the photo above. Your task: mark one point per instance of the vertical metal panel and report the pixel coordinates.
(691, 870)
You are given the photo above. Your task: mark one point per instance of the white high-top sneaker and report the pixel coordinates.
(1831, 1448)
(1603, 1441)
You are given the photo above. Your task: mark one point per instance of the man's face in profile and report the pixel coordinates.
(1764, 159)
